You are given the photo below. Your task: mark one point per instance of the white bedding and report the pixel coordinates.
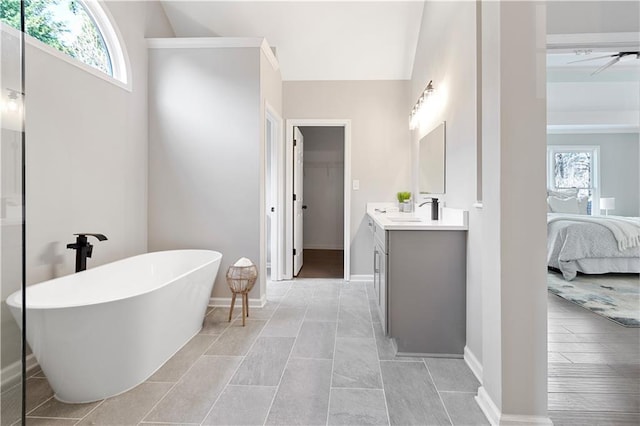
(575, 245)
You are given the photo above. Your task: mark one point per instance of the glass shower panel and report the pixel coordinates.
(11, 216)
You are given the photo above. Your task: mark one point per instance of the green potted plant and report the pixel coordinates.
(403, 196)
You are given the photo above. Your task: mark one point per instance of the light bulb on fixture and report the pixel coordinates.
(414, 120)
(12, 103)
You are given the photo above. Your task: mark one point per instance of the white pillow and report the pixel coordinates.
(564, 205)
(563, 193)
(582, 205)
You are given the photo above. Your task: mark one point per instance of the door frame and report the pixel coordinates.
(276, 152)
(288, 193)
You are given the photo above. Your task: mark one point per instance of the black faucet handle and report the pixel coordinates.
(100, 237)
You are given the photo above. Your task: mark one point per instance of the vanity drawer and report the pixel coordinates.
(380, 237)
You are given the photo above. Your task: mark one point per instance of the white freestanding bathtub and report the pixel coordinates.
(103, 331)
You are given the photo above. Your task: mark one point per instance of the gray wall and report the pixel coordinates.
(619, 166)
(446, 54)
(206, 153)
(323, 187)
(86, 156)
(380, 143)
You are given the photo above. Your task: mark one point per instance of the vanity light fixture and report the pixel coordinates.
(415, 111)
(12, 103)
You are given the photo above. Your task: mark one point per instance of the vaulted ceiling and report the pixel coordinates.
(314, 40)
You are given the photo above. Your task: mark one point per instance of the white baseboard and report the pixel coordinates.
(496, 418)
(488, 407)
(12, 373)
(225, 302)
(515, 420)
(368, 278)
(473, 363)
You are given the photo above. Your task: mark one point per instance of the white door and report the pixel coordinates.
(298, 198)
(273, 254)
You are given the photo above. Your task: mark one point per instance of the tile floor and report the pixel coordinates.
(314, 355)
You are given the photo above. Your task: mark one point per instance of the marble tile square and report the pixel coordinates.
(285, 322)
(11, 405)
(357, 407)
(412, 398)
(241, 405)
(43, 421)
(217, 321)
(354, 321)
(463, 409)
(56, 409)
(128, 408)
(265, 362)
(178, 364)
(452, 375)
(386, 350)
(237, 339)
(38, 391)
(356, 364)
(297, 298)
(316, 340)
(322, 312)
(192, 397)
(303, 395)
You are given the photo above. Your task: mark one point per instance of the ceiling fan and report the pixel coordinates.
(616, 57)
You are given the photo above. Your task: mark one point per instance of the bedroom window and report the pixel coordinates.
(575, 168)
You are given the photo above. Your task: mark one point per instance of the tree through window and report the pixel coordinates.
(66, 25)
(574, 168)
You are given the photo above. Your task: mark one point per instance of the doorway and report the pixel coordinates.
(317, 191)
(321, 230)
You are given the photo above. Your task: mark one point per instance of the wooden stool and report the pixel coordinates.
(241, 280)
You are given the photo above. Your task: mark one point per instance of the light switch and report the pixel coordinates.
(356, 184)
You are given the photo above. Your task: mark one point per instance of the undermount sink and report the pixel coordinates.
(404, 218)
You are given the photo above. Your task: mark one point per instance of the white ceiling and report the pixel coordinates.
(314, 40)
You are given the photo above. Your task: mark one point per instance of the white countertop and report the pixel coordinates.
(450, 219)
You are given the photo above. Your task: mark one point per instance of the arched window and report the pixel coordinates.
(79, 28)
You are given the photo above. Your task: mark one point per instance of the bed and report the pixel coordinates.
(592, 244)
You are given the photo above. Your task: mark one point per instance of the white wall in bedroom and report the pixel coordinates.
(604, 16)
(619, 166)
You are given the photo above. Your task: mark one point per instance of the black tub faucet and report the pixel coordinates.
(83, 249)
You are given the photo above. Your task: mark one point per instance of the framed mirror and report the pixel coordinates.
(432, 160)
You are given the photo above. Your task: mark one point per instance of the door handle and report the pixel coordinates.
(304, 207)
(273, 209)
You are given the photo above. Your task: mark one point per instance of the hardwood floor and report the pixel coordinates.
(322, 264)
(594, 368)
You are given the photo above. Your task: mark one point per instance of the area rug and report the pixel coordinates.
(613, 296)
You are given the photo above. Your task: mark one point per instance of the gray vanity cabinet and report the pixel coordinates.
(420, 287)
(380, 263)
